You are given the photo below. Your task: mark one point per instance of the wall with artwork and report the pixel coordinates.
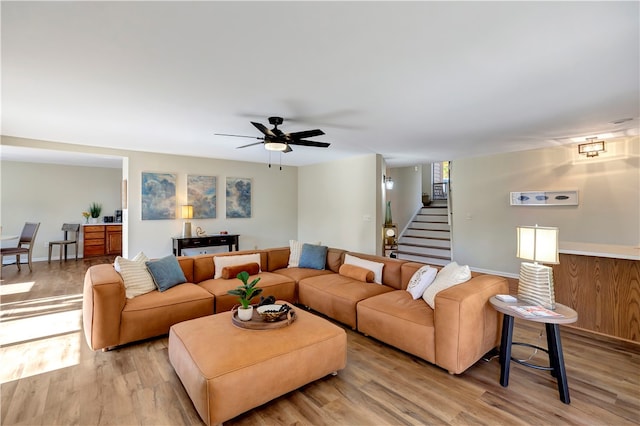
(250, 199)
(605, 210)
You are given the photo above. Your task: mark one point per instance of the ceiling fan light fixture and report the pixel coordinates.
(275, 146)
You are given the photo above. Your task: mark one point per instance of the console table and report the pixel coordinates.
(229, 240)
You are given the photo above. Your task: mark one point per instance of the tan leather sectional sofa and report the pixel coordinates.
(461, 329)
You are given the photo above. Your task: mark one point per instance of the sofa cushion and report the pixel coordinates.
(276, 285)
(152, 314)
(297, 274)
(313, 256)
(397, 319)
(357, 273)
(229, 272)
(376, 267)
(136, 277)
(230, 260)
(452, 274)
(420, 280)
(336, 296)
(166, 272)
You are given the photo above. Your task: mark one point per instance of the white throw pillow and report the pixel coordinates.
(376, 267)
(240, 259)
(450, 275)
(136, 276)
(295, 249)
(420, 280)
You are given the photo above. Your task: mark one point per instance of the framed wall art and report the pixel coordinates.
(544, 198)
(158, 196)
(201, 194)
(238, 198)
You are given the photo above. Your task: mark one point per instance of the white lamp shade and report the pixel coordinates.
(187, 211)
(537, 243)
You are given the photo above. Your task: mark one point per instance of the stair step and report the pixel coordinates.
(428, 233)
(425, 242)
(431, 218)
(429, 260)
(425, 250)
(433, 226)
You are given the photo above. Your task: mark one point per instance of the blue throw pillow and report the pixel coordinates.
(166, 272)
(313, 256)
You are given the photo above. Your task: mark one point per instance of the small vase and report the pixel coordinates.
(387, 216)
(93, 220)
(245, 314)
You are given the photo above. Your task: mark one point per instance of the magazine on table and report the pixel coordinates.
(536, 311)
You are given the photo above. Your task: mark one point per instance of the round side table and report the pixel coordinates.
(554, 345)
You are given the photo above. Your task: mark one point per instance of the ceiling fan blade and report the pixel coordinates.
(237, 136)
(310, 143)
(289, 149)
(306, 134)
(251, 144)
(263, 129)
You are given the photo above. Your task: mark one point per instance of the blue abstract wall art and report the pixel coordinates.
(201, 194)
(238, 198)
(158, 196)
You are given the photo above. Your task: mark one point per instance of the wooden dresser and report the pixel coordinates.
(102, 239)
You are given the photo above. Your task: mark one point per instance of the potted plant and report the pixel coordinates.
(245, 293)
(94, 210)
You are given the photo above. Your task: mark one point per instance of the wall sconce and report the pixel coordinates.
(187, 213)
(539, 244)
(592, 148)
(388, 182)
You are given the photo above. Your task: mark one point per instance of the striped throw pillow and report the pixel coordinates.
(136, 276)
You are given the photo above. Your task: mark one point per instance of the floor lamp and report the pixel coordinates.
(537, 244)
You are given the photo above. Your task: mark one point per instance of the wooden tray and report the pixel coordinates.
(257, 323)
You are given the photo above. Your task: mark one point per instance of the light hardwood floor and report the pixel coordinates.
(48, 375)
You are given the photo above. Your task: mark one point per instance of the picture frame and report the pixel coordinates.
(544, 198)
(238, 198)
(202, 195)
(158, 199)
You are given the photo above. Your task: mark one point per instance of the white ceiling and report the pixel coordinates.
(413, 81)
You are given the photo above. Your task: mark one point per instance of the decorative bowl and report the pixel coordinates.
(273, 312)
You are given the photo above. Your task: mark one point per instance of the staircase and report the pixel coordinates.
(428, 237)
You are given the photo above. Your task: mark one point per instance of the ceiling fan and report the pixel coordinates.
(276, 140)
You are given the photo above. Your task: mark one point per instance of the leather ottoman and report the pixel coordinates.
(227, 370)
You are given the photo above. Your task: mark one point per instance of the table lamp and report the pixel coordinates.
(539, 244)
(187, 213)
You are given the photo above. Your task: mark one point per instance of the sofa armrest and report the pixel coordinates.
(102, 304)
(466, 325)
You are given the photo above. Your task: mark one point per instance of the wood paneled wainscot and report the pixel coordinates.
(603, 286)
(102, 239)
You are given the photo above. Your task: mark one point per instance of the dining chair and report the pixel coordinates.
(27, 238)
(74, 228)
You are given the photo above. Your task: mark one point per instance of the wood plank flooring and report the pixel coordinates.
(49, 376)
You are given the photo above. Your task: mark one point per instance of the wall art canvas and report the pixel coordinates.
(158, 196)
(544, 198)
(238, 197)
(201, 194)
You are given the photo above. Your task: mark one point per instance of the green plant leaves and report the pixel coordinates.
(246, 291)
